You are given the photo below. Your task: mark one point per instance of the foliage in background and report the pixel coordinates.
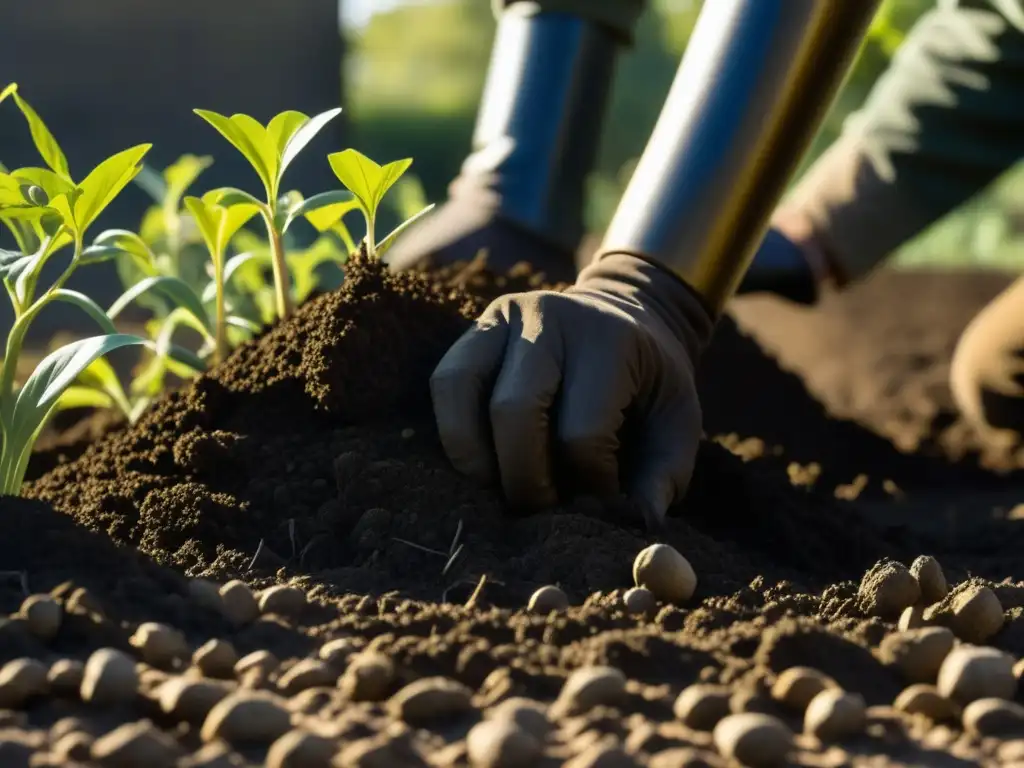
(415, 75)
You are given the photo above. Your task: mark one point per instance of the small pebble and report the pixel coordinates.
(43, 615)
(911, 618)
(666, 573)
(528, 714)
(136, 744)
(20, 681)
(921, 699)
(501, 744)
(640, 601)
(368, 677)
(429, 700)
(216, 754)
(547, 599)
(589, 687)
(969, 673)
(109, 677)
(684, 757)
(918, 653)
(994, 717)
(930, 578)
(283, 599)
(753, 739)
(834, 715)
(65, 677)
(205, 594)
(306, 673)
(796, 686)
(299, 749)
(190, 701)
(977, 614)
(238, 604)
(262, 660)
(247, 717)
(701, 706)
(159, 644)
(339, 650)
(216, 658)
(81, 600)
(887, 589)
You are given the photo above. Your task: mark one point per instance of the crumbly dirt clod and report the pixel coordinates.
(306, 473)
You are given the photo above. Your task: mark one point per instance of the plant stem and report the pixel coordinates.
(371, 241)
(282, 281)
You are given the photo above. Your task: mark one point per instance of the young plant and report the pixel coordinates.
(270, 150)
(57, 211)
(369, 183)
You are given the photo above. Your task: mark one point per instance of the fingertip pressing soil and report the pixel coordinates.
(310, 457)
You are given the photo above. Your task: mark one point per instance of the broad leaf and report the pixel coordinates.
(117, 242)
(87, 305)
(46, 144)
(12, 263)
(367, 180)
(388, 241)
(152, 183)
(37, 398)
(77, 396)
(301, 136)
(282, 127)
(243, 323)
(228, 196)
(177, 291)
(101, 377)
(217, 223)
(105, 182)
(51, 183)
(181, 175)
(239, 131)
(232, 264)
(322, 210)
(8, 90)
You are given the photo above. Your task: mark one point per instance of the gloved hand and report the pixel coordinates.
(539, 393)
(458, 230)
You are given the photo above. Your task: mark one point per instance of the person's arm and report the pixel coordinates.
(750, 93)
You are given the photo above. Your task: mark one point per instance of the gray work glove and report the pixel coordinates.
(540, 391)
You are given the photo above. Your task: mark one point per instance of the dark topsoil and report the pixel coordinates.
(310, 458)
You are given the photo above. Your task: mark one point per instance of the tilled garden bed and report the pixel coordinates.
(326, 590)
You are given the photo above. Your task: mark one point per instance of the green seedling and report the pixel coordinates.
(369, 183)
(270, 150)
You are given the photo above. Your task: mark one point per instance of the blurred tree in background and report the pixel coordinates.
(415, 73)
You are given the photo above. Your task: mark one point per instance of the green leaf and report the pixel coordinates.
(181, 175)
(244, 323)
(152, 183)
(232, 264)
(388, 241)
(77, 396)
(37, 398)
(248, 137)
(118, 242)
(367, 180)
(228, 196)
(46, 144)
(100, 376)
(218, 223)
(282, 127)
(13, 263)
(51, 183)
(322, 210)
(87, 305)
(300, 137)
(8, 90)
(177, 291)
(105, 182)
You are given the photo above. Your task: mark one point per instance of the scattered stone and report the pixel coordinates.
(189, 700)
(500, 743)
(666, 573)
(640, 601)
(368, 677)
(547, 599)
(283, 599)
(753, 739)
(340, 649)
(65, 677)
(911, 618)
(216, 658)
(43, 615)
(887, 589)
(977, 614)
(159, 644)
(918, 653)
(834, 715)
(796, 686)
(20, 681)
(702, 705)
(969, 673)
(306, 673)
(247, 717)
(430, 699)
(684, 757)
(262, 660)
(994, 717)
(136, 744)
(921, 699)
(216, 754)
(527, 714)
(82, 601)
(299, 749)
(206, 594)
(109, 677)
(601, 755)
(238, 604)
(930, 578)
(589, 687)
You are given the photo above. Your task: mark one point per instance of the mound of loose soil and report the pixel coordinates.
(309, 458)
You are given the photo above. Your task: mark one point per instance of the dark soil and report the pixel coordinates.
(310, 458)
